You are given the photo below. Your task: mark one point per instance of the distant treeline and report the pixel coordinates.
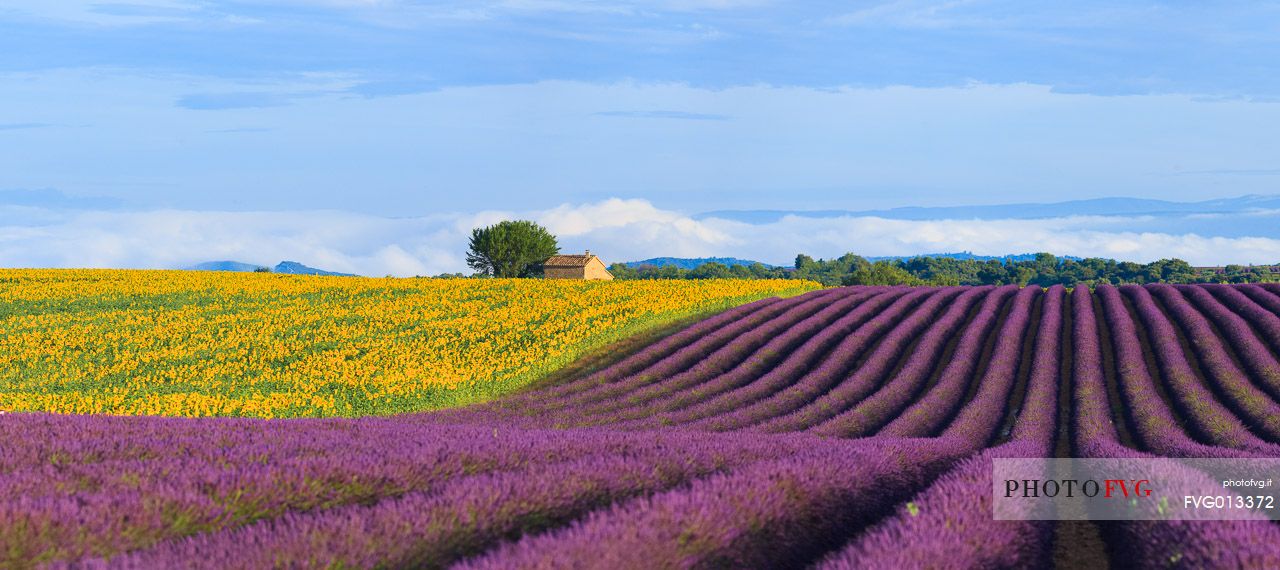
(1044, 269)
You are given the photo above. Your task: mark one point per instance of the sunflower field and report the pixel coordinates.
(184, 343)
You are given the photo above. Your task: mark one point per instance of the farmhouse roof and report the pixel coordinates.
(569, 260)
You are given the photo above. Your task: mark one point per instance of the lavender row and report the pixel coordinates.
(1154, 544)
(828, 380)
(844, 407)
(1093, 425)
(1176, 369)
(737, 352)
(950, 525)
(657, 351)
(1264, 289)
(540, 407)
(809, 359)
(951, 520)
(979, 419)
(773, 514)
(1245, 302)
(764, 348)
(1260, 295)
(724, 343)
(935, 407)
(972, 428)
(218, 473)
(462, 517)
(222, 481)
(1153, 421)
(1252, 351)
(602, 385)
(1037, 420)
(1255, 406)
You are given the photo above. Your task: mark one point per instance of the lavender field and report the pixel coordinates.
(843, 428)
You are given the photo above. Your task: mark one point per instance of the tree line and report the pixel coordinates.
(1044, 269)
(519, 248)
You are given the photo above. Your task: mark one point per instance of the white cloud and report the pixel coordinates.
(617, 229)
(570, 220)
(911, 14)
(1084, 236)
(121, 13)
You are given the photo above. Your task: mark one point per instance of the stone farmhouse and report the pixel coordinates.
(585, 266)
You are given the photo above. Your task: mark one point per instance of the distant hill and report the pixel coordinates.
(295, 268)
(286, 267)
(224, 266)
(692, 262)
(1093, 207)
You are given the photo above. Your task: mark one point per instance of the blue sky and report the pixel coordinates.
(396, 108)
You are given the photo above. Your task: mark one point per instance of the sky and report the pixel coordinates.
(369, 134)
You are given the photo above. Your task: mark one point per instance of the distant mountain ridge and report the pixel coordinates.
(224, 266)
(1092, 207)
(295, 268)
(692, 262)
(285, 267)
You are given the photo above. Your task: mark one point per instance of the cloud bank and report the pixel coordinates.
(617, 229)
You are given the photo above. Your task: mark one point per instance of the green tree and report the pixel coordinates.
(511, 249)
(711, 270)
(882, 273)
(623, 271)
(992, 272)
